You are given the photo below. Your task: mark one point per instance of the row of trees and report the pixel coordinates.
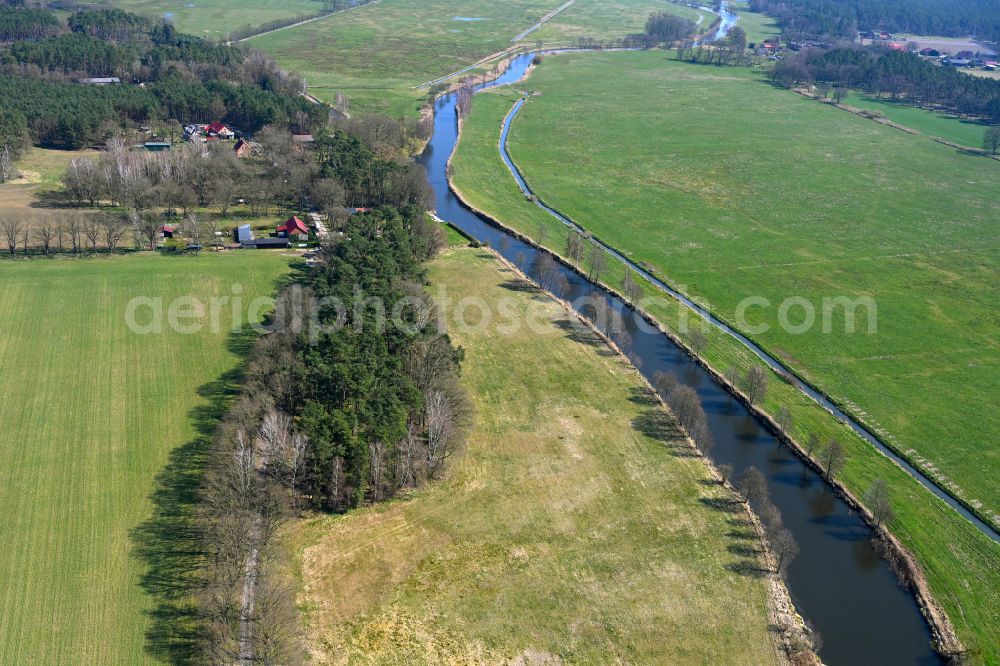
(842, 18)
(185, 78)
(18, 23)
(895, 73)
(352, 415)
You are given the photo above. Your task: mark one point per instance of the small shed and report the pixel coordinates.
(243, 234)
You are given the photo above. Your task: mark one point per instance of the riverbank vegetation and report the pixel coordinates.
(104, 431)
(951, 551)
(577, 525)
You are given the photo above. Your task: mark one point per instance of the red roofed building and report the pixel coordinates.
(294, 227)
(220, 130)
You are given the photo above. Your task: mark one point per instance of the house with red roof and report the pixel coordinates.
(220, 130)
(292, 228)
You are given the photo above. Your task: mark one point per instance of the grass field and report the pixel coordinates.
(218, 18)
(962, 565)
(562, 531)
(102, 433)
(41, 173)
(757, 26)
(377, 55)
(793, 199)
(931, 123)
(609, 19)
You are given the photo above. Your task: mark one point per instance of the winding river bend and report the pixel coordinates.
(839, 583)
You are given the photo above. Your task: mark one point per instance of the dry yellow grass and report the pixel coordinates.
(563, 533)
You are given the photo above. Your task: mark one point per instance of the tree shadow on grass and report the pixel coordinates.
(660, 425)
(168, 544)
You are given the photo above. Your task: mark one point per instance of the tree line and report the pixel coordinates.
(895, 73)
(185, 79)
(803, 19)
(18, 23)
(328, 422)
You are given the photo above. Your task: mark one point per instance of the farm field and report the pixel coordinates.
(562, 530)
(102, 434)
(376, 55)
(931, 123)
(218, 18)
(714, 198)
(953, 554)
(609, 19)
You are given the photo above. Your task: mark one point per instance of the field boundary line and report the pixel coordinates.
(823, 399)
(309, 20)
(545, 19)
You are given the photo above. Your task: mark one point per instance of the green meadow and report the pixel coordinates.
(609, 19)
(218, 18)
(692, 208)
(575, 527)
(103, 434)
(789, 198)
(378, 55)
(930, 123)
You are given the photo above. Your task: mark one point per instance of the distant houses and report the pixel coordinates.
(100, 81)
(213, 131)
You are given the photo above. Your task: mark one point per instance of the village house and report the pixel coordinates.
(293, 228)
(220, 130)
(243, 148)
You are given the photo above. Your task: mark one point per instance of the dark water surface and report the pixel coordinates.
(837, 581)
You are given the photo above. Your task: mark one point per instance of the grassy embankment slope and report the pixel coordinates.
(102, 433)
(691, 204)
(561, 530)
(376, 55)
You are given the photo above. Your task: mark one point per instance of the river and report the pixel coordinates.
(838, 582)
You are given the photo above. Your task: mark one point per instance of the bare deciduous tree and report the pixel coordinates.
(812, 444)
(755, 384)
(664, 382)
(92, 231)
(833, 459)
(991, 140)
(574, 246)
(784, 547)
(598, 261)
(12, 233)
(45, 233)
(784, 419)
(725, 471)
(877, 499)
(752, 484)
(633, 292)
(698, 341)
(114, 231)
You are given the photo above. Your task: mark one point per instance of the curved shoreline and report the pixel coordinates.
(945, 640)
(842, 412)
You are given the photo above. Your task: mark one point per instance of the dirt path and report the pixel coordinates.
(545, 19)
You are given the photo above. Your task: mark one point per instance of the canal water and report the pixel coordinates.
(838, 582)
